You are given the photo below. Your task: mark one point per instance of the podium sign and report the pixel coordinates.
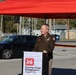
(32, 63)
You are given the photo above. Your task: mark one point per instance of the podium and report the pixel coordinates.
(45, 65)
(34, 63)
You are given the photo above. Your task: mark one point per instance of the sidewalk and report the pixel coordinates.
(64, 62)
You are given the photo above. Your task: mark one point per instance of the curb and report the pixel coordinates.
(61, 45)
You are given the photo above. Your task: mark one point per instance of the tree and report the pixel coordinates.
(73, 23)
(61, 21)
(40, 22)
(8, 23)
(64, 22)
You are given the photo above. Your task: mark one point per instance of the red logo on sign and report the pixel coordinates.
(29, 61)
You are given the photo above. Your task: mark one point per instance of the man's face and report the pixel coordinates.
(44, 30)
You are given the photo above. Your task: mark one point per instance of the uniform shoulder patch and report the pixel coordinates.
(53, 38)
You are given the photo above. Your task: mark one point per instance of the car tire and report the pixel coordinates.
(7, 54)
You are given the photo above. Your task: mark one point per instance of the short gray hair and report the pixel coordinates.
(47, 26)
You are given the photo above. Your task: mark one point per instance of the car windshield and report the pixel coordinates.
(9, 39)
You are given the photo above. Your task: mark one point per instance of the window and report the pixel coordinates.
(30, 39)
(20, 40)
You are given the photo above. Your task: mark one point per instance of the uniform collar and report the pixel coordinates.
(47, 36)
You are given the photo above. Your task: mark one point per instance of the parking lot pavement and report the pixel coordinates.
(64, 52)
(10, 67)
(64, 63)
(64, 66)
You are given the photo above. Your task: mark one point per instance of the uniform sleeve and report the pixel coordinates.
(52, 45)
(36, 45)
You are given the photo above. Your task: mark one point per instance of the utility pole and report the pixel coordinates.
(29, 19)
(54, 25)
(35, 23)
(23, 21)
(23, 25)
(68, 23)
(32, 22)
(20, 26)
(46, 21)
(1, 23)
(1, 26)
(50, 25)
(17, 28)
(49, 22)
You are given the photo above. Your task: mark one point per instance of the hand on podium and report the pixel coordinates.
(44, 51)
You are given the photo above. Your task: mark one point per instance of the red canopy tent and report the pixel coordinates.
(39, 8)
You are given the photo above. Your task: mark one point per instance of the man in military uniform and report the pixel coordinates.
(45, 43)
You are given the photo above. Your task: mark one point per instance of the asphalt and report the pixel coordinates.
(64, 63)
